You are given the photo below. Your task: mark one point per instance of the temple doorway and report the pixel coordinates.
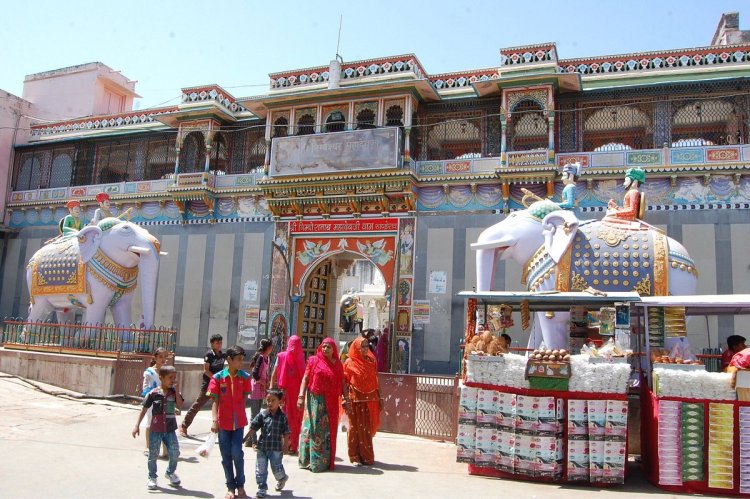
(341, 296)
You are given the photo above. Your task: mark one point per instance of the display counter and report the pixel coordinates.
(695, 434)
(579, 435)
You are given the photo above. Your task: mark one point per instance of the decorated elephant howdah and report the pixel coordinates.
(559, 252)
(95, 268)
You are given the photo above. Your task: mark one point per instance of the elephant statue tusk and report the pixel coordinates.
(163, 253)
(139, 249)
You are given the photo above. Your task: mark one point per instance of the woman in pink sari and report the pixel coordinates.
(287, 375)
(320, 392)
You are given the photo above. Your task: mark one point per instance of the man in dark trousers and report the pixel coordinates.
(213, 362)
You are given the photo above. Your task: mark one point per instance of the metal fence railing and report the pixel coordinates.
(425, 406)
(84, 339)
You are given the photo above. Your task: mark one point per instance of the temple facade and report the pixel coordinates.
(262, 202)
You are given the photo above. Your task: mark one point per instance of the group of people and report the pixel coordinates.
(303, 403)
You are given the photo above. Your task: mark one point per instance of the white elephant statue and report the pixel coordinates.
(559, 252)
(95, 268)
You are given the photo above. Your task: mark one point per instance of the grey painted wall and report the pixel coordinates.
(201, 281)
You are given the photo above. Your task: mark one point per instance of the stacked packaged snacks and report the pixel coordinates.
(669, 443)
(602, 377)
(467, 420)
(720, 445)
(744, 450)
(578, 441)
(692, 442)
(696, 384)
(505, 370)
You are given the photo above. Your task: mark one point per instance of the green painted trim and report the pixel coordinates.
(632, 80)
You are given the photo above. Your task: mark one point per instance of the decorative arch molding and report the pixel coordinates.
(543, 96)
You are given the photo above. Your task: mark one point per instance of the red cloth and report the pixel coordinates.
(567, 395)
(231, 391)
(291, 363)
(381, 351)
(726, 358)
(291, 367)
(741, 360)
(361, 373)
(326, 377)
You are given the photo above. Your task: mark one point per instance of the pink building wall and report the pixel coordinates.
(77, 91)
(14, 129)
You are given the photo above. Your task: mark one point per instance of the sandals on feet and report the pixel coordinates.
(229, 495)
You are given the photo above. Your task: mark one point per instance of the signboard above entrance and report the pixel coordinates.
(351, 225)
(336, 152)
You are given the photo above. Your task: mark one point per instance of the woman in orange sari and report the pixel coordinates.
(361, 375)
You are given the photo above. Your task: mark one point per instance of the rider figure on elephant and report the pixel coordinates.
(104, 210)
(73, 222)
(570, 174)
(634, 203)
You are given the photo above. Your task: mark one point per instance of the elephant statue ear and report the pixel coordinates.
(88, 241)
(559, 229)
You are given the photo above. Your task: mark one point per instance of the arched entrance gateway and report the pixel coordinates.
(332, 264)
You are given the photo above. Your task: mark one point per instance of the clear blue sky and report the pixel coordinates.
(168, 45)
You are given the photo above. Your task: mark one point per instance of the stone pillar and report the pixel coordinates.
(551, 140)
(407, 152)
(503, 138)
(267, 160)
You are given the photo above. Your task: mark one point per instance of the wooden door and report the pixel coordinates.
(313, 316)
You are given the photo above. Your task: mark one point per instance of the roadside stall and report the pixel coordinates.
(556, 414)
(695, 432)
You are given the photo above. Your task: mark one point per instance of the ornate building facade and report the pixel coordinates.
(260, 201)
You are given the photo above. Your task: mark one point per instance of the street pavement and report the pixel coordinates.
(54, 444)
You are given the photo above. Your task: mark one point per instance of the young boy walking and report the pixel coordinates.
(228, 389)
(163, 400)
(274, 438)
(213, 362)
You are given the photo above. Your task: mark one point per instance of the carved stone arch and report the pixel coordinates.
(193, 152)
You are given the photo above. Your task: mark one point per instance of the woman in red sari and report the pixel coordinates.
(319, 395)
(287, 375)
(361, 374)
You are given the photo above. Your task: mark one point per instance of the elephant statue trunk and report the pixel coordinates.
(148, 270)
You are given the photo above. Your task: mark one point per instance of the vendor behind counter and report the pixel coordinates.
(735, 344)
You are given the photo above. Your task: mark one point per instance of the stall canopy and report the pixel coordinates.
(701, 304)
(551, 301)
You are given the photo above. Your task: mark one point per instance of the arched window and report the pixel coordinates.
(335, 122)
(708, 122)
(528, 127)
(365, 119)
(160, 159)
(280, 127)
(394, 116)
(61, 171)
(193, 153)
(256, 153)
(306, 124)
(219, 154)
(29, 174)
(609, 128)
